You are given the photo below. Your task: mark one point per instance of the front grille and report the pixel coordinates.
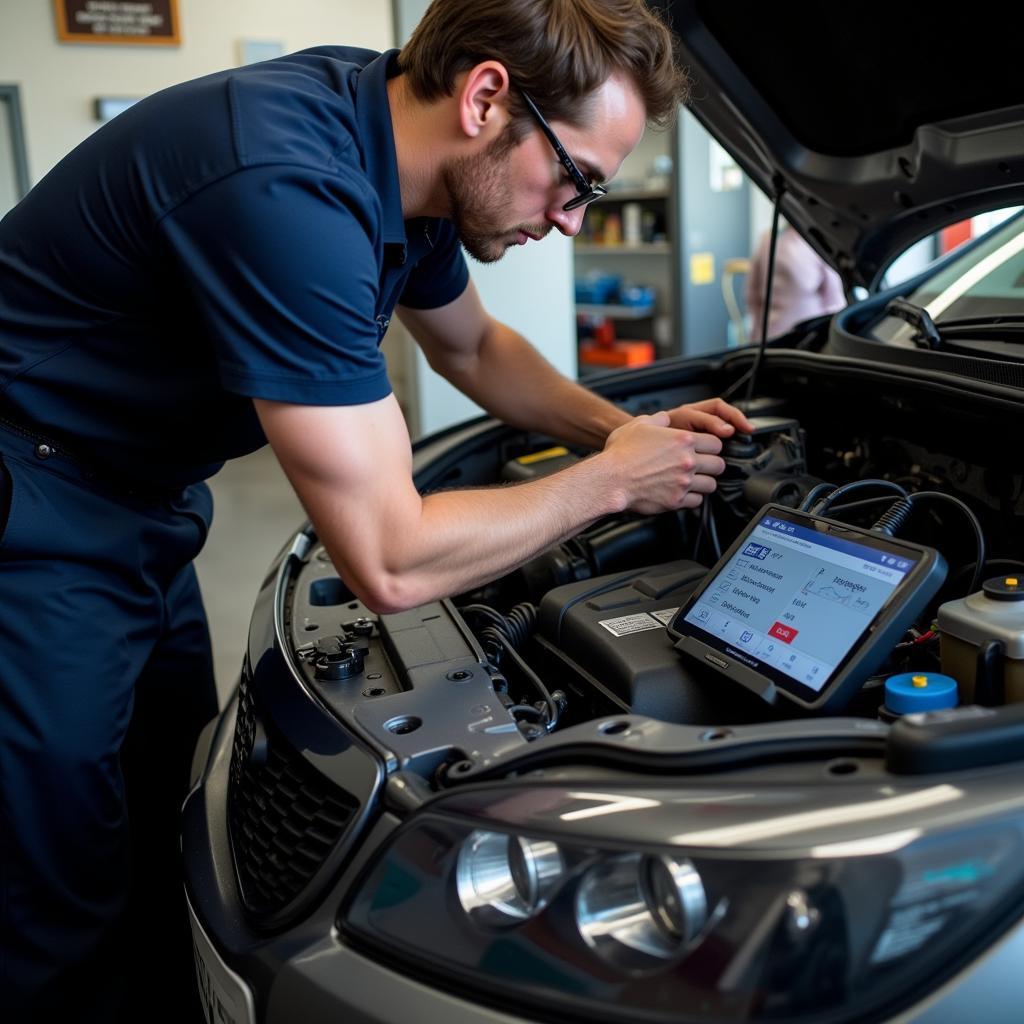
(285, 818)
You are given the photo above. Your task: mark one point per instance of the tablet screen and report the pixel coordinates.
(796, 595)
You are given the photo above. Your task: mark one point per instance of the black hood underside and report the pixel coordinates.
(881, 122)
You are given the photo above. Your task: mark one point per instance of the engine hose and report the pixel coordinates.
(514, 629)
(522, 622)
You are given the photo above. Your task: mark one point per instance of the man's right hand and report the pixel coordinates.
(659, 467)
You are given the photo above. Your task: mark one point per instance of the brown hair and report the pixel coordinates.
(559, 51)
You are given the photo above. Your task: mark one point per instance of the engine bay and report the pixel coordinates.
(578, 635)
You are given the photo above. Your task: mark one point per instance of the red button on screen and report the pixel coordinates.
(783, 633)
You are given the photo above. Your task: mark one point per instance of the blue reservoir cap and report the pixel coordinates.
(920, 691)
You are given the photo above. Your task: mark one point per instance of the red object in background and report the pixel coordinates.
(618, 353)
(605, 350)
(784, 633)
(954, 235)
(604, 333)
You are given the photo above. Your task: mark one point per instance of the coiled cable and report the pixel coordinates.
(503, 636)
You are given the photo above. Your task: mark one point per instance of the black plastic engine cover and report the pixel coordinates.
(613, 629)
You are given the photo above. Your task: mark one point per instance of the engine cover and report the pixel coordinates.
(612, 628)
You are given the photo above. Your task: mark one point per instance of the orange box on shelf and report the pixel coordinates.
(618, 353)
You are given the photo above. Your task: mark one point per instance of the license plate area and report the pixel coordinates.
(225, 996)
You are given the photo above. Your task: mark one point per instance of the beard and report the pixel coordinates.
(478, 196)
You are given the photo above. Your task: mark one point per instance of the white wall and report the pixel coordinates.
(59, 81)
(529, 289)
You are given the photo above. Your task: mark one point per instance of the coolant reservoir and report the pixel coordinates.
(994, 613)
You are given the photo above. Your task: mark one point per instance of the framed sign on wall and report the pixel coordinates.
(118, 21)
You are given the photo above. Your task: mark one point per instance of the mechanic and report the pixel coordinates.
(214, 269)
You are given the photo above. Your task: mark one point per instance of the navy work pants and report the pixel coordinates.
(106, 680)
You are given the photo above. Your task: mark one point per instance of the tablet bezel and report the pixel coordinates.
(867, 653)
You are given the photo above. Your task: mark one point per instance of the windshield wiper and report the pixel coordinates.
(982, 325)
(926, 334)
(930, 335)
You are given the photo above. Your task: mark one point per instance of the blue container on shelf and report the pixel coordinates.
(598, 288)
(636, 295)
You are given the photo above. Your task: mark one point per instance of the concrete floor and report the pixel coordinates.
(255, 512)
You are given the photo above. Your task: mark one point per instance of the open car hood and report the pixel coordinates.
(881, 122)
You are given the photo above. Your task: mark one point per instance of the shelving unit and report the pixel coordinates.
(623, 249)
(615, 312)
(641, 252)
(695, 219)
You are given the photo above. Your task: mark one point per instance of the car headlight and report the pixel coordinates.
(506, 878)
(597, 926)
(636, 909)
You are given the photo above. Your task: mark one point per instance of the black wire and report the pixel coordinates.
(713, 529)
(990, 564)
(736, 385)
(553, 709)
(979, 537)
(814, 493)
(702, 522)
(823, 504)
(482, 609)
(502, 636)
(863, 503)
(780, 191)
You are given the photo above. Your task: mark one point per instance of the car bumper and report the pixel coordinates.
(308, 972)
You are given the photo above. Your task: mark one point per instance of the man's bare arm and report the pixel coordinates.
(351, 468)
(501, 371)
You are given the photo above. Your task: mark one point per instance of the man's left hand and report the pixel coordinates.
(712, 416)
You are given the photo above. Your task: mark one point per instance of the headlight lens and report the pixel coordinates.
(637, 910)
(565, 925)
(503, 879)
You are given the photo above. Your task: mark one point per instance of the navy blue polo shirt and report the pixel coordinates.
(238, 236)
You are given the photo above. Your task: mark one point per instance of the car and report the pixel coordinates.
(590, 791)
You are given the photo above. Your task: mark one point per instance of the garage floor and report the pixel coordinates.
(255, 512)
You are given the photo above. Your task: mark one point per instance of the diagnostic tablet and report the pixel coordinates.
(805, 609)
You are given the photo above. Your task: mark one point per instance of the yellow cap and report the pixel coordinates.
(1010, 581)
(920, 682)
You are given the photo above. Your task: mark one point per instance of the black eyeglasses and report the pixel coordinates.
(587, 191)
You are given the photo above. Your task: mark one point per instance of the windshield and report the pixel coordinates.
(986, 281)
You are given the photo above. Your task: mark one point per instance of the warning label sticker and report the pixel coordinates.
(626, 624)
(666, 615)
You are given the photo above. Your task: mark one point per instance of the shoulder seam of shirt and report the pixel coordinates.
(241, 153)
(337, 171)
